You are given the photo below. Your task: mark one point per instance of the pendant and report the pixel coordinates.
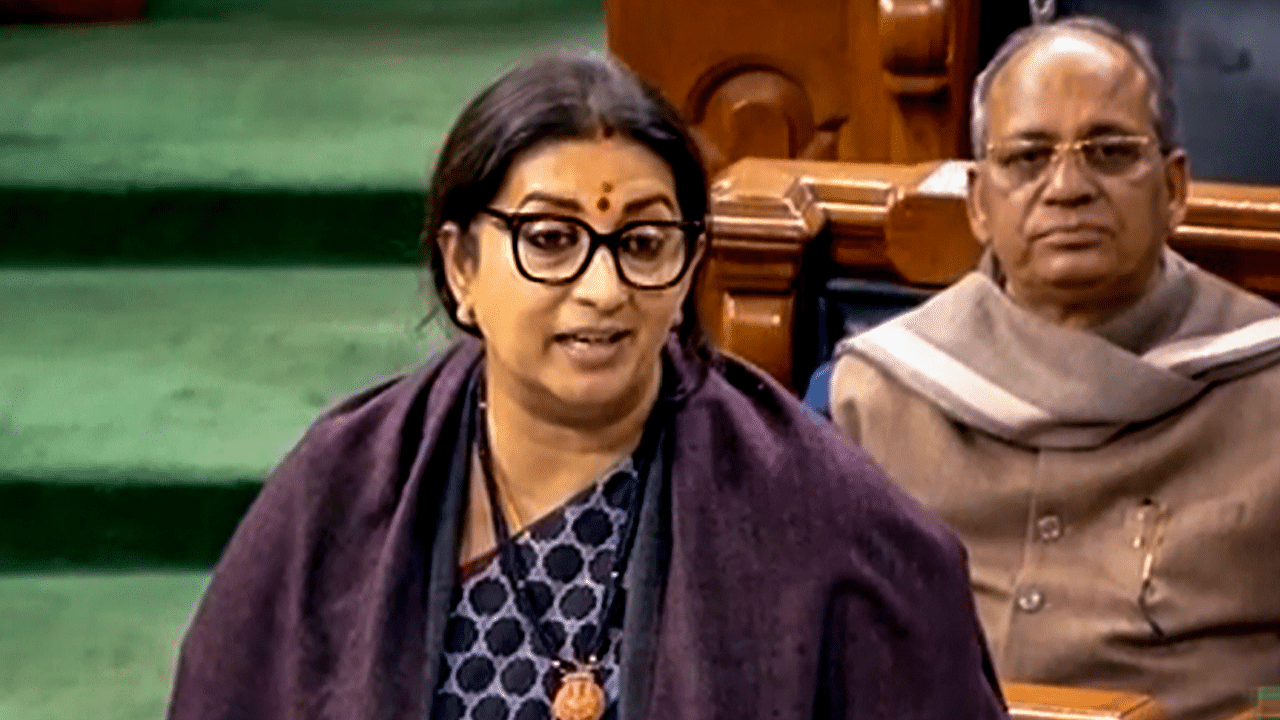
(580, 697)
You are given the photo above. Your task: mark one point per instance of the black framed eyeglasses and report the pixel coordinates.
(557, 249)
(1025, 161)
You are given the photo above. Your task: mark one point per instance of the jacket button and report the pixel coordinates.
(1049, 528)
(1030, 600)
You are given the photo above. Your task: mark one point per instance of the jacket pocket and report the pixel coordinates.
(1210, 564)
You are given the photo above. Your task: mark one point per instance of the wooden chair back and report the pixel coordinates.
(867, 80)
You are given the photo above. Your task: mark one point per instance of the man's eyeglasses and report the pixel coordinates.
(555, 249)
(1021, 162)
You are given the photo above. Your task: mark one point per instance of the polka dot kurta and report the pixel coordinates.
(491, 670)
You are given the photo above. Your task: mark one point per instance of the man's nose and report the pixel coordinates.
(1069, 183)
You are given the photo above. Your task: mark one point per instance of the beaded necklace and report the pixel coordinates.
(579, 695)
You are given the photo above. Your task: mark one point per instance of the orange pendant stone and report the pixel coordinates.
(580, 697)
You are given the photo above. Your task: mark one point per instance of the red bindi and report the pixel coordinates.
(603, 204)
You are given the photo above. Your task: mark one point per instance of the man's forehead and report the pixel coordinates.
(1066, 75)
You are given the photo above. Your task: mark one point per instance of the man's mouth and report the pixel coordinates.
(1068, 232)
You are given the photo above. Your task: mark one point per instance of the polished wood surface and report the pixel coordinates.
(781, 227)
(866, 80)
(1046, 702)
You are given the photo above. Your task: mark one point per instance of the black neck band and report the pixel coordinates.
(512, 563)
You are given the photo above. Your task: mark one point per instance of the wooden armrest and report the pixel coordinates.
(1049, 702)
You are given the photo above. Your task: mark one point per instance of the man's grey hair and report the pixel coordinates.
(1160, 97)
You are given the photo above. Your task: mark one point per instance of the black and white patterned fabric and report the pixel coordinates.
(490, 670)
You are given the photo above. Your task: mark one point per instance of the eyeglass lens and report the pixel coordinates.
(1026, 161)
(555, 249)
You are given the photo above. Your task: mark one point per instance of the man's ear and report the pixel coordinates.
(978, 221)
(1177, 175)
(459, 264)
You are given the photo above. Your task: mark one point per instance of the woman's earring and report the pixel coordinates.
(466, 316)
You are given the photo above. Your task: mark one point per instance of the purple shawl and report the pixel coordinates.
(795, 581)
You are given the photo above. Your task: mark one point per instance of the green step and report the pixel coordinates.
(77, 524)
(432, 11)
(208, 221)
(174, 226)
(133, 398)
(91, 646)
(280, 134)
(256, 103)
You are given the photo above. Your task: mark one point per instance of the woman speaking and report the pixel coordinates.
(580, 510)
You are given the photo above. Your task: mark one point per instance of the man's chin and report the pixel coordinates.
(1081, 270)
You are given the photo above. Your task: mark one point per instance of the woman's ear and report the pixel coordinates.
(686, 283)
(459, 267)
(699, 248)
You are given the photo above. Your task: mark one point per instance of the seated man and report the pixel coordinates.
(1098, 418)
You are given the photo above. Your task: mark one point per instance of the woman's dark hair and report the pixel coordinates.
(559, 97)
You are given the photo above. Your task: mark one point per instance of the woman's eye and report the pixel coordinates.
(644, 242)
(550, 236)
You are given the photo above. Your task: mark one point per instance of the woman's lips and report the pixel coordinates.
(594, 349)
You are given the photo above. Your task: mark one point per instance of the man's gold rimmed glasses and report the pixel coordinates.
(1015, 163)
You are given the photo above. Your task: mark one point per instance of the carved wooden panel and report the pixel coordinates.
(870, 80)
(928, 54)
(750, 322)
(776, 223)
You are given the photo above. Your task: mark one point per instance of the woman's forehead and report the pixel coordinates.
(584, 170)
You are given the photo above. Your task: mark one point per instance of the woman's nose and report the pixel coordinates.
(601, 285)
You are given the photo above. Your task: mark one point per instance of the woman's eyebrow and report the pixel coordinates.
(637, 205)
(555, 201)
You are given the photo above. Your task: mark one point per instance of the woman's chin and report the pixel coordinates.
(595, 397)
(600, 395)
